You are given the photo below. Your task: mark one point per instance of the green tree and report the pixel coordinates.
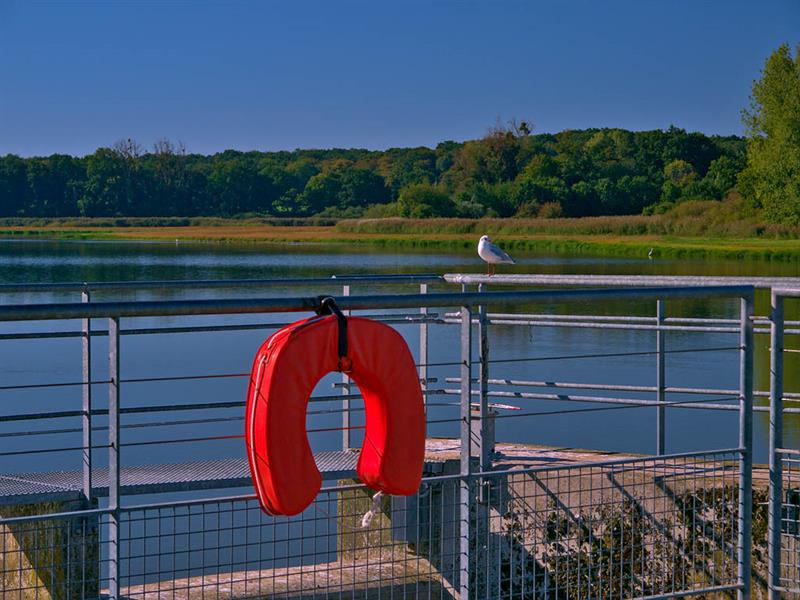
(105, 191)
(423, 200)
(321, 191)
(55, 184)
(14, 190)
(509, 171)
(678, 176)
(403, 166)
(236, 187)
(498, 198)
(445, 156)
(360, 187)
(721, 176)
(170, 179)
(771, 179)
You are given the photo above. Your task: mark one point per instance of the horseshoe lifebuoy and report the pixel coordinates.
(286, 369)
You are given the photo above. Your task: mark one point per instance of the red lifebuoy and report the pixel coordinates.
(286, 369)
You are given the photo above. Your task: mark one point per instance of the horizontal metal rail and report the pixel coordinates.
(51, 311)
(757, 320)
(208, 284)
(711, 404)
(399, 319)
(190, 407)
(593, 322)
(596, 325)
(623, 280)
(621, 388)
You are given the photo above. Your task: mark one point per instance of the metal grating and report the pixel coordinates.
(172, 477)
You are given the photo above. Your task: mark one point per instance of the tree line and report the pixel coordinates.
(509, 172)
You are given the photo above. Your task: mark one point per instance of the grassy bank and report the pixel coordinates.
(696, 230)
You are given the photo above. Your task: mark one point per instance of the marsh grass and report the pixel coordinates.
(694, 218)
(692, 229)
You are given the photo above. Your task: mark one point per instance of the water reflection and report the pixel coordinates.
(230, 353)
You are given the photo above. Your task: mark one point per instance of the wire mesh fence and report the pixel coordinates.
(790, 523)
(51, 557)
(635, 528)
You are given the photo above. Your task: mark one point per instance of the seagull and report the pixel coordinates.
(492, 255)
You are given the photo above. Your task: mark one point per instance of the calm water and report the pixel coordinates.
(25, 362)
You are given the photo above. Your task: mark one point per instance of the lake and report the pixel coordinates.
(231, 353)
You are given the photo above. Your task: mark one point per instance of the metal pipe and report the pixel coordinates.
(775, 442)
(789, 292)
(346, 435)
(423, 344)
(398, 319)
(465, 487)
(758, 320)
(602, 386)
(86, 397)
(485, 445)
(10, 288)
(623, 280)
(389, 319)
(744, 570)
(699, 404)
(660, 379)
(618, 326)
(31, 312)
(113, 458)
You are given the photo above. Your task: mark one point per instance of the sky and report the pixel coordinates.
(75, 76)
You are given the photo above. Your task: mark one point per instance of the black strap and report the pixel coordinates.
(327, 306)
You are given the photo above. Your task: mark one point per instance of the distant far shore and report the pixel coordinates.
(610, 236)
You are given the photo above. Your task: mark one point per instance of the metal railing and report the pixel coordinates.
(652, 527)
(784, 468)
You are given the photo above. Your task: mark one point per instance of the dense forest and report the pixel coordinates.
(509, 172)
(506, 173)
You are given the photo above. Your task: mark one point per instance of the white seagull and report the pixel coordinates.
(492, 255)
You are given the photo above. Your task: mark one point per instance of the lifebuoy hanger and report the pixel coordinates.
(286, 369)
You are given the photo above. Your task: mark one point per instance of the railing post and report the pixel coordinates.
(86, 389)
(660, 380)
(484, 441)
(486, 580)
(746, 444)
(465, 491)
(775, 444)
(423, 347)
(346, 437)
(113, 457)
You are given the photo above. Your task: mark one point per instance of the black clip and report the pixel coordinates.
(327, 306)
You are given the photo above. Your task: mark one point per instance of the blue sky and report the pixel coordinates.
(296, 74)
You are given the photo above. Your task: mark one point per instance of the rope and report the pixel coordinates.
(370, 514)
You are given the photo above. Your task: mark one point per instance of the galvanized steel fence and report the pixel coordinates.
(784, 466)
(655, 527)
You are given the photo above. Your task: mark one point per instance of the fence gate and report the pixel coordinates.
(784, 467)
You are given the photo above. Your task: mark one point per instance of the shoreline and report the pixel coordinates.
(781, 250)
